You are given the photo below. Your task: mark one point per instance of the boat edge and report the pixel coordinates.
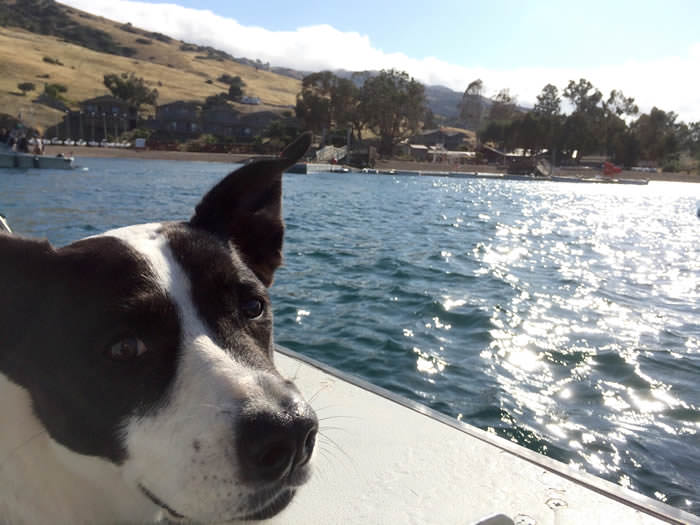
(639, 502)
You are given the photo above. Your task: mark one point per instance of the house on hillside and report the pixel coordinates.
(180, 117)
(98, 118)
(190, 118)
(221, 120)
(256, 123)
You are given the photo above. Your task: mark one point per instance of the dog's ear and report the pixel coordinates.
(26, 270)
(246, 208)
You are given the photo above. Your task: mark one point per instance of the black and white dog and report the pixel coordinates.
(136, 368)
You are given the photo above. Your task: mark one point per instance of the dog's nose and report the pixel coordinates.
(273, 444)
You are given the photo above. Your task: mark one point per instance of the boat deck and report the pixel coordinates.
(384, 459)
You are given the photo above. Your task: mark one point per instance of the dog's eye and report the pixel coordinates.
(128, 348)
(252, 308)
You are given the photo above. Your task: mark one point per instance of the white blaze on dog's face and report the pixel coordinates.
(166, 371)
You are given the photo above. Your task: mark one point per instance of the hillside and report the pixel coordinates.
(85, 47)
(179, 71)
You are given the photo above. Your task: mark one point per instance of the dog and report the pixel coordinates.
(137, 380)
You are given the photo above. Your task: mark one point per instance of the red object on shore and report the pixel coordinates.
(610, 169)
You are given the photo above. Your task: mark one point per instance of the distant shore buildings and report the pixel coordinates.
(107, 116)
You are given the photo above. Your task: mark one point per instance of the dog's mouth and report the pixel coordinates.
(155, 499)
(269, 509)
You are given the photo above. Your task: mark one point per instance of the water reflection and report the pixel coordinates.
(568, 345)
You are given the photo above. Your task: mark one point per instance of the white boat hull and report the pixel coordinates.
(23, 161)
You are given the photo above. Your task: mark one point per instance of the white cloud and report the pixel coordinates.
(670, 83)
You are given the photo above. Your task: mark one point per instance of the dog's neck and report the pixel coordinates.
(37, 487)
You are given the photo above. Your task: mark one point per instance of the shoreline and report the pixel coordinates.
(398, 165)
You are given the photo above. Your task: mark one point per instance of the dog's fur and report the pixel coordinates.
(136, 372)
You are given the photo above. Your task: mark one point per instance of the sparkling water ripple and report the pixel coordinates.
(563, 317)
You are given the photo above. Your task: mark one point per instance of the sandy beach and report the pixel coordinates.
(399, 165)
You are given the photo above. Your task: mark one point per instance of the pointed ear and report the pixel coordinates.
(245, 208)
(26, 271)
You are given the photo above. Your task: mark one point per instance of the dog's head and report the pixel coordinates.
(150, 347)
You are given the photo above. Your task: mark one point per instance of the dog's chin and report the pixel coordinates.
(273, 507)
(263, 505)
(270, 508)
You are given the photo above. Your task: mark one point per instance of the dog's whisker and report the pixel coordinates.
(337, 429)
(340, 417)
(331, 441)
(319, 409)
(321, 389)
(331, 456)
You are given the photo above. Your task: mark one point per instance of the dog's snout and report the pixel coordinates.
(274, 444)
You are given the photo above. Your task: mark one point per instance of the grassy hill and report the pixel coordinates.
(179, 71)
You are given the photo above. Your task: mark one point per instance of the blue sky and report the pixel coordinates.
(492, 34)
(649, 49)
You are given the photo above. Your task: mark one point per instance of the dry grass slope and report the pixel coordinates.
(178, 75)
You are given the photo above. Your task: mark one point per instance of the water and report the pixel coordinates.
(565, 317)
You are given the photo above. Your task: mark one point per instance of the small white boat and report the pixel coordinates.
(13, 159)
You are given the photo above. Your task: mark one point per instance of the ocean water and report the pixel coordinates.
(564, 317)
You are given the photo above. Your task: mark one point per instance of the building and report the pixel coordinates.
(418, 152)
(254, 124)
(180, 117)
(222, 120)
(97, 119)
(450, 139)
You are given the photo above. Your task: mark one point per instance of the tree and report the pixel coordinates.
(235, 90)
(618, 104)
(394, 105)
(55, 91)
(327, 101)
(429, 122)
(503, 106)
(583, 129)
(313, 105)
(547, 111)
(471, 108)
(618, 145)
(657, 133)
(219, 99)
(548, 102)
(131, 89)
(25, 87)
(580, 95)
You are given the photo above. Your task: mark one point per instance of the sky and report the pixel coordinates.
(648, 49)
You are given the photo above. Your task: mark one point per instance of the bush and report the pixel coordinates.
(128, 28)
(189, 47)
(160, 37)
(53, 61)
(24, 87)
(144, 41)
(230, 80)
(671, 166)
(54, 91)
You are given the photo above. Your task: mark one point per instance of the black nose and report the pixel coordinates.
(273, 444)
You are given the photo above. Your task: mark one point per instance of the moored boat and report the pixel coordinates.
(13, 159)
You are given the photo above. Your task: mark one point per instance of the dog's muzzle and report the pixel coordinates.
(275, 444)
